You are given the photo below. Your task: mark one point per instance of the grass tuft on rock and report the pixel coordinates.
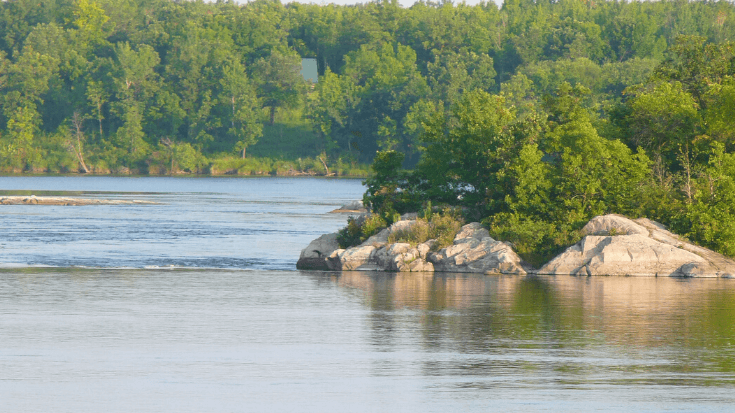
(442, 227)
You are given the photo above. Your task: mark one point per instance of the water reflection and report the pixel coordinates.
(612, 330)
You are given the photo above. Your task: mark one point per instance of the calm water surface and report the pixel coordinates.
(93, 318)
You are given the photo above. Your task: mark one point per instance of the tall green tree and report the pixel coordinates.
(239, 94)
(136, 82)
(279, 81)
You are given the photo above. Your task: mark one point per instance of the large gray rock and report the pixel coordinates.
(474, 251)
(402, 257)
(615, 245)
(358, 258)
(314, 256)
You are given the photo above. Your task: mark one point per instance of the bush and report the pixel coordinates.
(535, 241)
(282, 167)
(414, 235)
(442, 227)
(359, 229)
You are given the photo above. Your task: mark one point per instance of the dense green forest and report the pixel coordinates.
(160, 86)
(533, 116)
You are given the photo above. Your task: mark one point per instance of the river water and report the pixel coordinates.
(194, 305)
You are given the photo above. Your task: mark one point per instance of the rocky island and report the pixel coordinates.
(611, 245)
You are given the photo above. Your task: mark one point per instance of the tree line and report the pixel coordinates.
(161, 86)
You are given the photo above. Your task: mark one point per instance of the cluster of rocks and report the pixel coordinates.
(612, 245)
(473, 250)
(52, 200)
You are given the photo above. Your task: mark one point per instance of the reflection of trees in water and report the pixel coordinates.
(690, 321)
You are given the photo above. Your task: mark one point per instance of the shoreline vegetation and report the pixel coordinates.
(162, 87)
(225, 166)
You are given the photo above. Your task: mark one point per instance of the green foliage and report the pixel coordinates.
(444, 227)
(464, 151)
(663, 119)
(720, 113)
(278, 80)
(387, 188)
(224, 77)
(535, 240)
(416, 234)
(711, 217)
(360, 229)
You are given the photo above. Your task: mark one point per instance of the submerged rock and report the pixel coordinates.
(616, 245)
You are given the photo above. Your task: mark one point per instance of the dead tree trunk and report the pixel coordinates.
(77, 121)
(325, 165)
(172, 146)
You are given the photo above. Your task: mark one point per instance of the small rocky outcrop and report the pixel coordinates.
(473, 250)
(376, 254)
(616, 245)
(354, 207)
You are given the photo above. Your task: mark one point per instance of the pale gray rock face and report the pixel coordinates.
(356, 258)
(379, 239)
(473, 230)
(616, 245)
(613, 245)
(613, 225)
(387, 257)
(314, 256)
(474, 251)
